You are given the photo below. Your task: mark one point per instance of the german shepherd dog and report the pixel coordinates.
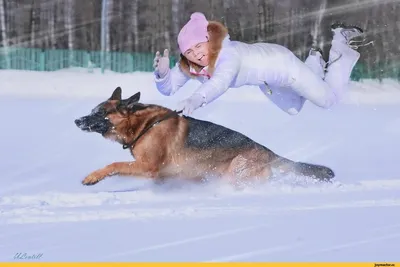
(167, 145)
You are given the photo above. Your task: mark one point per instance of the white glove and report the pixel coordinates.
(161, 64)
(191, 104)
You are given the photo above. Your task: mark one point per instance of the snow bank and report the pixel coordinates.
(80, 83)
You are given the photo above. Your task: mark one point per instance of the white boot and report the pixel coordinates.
(353, 36)
(343, 56)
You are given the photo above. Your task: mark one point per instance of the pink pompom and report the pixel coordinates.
(197, 15)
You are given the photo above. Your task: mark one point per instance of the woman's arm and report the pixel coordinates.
(171, 82)
(225, 72)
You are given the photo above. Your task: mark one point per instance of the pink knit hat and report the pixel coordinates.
(194, 32)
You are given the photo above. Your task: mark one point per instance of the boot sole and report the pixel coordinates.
(344, 26)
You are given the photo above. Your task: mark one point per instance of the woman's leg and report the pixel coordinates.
(342, 58)
(316, 62)
(285, 98)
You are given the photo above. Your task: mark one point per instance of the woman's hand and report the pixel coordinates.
(189, 105)
(161, 64)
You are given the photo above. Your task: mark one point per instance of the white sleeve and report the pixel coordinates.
(172, 82)
(225, 71)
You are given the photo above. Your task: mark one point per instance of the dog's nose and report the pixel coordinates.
(78, 122)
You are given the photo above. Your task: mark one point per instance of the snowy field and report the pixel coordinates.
(45, 210)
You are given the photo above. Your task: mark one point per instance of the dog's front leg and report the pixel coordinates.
(120, 168)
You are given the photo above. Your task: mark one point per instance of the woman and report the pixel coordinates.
(208, 55)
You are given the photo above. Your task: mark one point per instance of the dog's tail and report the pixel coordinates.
(318, 172)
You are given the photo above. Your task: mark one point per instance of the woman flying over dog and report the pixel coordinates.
(208, 55)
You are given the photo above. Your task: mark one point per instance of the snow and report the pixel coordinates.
(44, 209)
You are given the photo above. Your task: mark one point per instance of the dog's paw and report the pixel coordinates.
(91, 179)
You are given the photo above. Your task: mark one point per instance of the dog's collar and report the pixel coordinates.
(167, 116)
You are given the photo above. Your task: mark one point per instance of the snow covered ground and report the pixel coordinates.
(45, 210)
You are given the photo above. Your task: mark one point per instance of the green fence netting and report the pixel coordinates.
(56, 59)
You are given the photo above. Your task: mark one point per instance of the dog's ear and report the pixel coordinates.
(116, 95)
(130, 102)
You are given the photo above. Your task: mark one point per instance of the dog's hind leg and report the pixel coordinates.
(133, 168)
(247, 169)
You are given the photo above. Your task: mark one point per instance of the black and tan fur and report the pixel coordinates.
(182, 147)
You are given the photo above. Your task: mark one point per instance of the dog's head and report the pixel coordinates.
(110, 114)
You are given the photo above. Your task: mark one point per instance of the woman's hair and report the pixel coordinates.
(217, 32)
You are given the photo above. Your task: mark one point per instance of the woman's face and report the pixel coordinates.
(198, 54)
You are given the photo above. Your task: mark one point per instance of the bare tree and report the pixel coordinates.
(52, 18)
(4, 40)
(175, 21)
(144, 26)
(135, 25)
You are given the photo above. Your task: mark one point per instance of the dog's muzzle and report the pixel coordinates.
(93, 124)
(78, 122)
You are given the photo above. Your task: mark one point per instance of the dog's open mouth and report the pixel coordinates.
(85, 128)
(101, 127)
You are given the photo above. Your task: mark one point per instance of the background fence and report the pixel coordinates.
(35, 59)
